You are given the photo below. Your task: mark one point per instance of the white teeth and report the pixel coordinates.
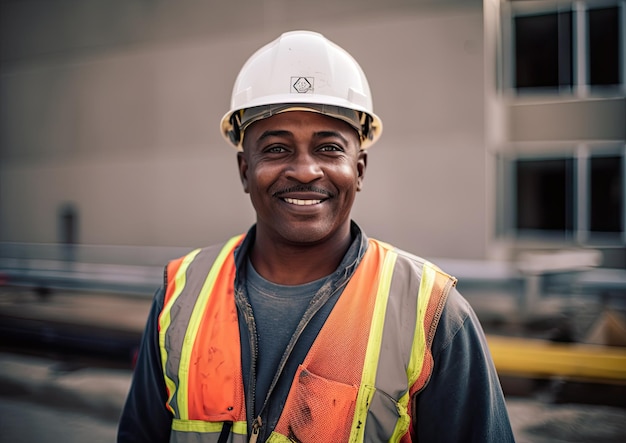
(295, 201)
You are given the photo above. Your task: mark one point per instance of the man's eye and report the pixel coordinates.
(331, 148)
(275, 149)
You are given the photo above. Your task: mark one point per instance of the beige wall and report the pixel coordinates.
(593, 119)
(125, 126)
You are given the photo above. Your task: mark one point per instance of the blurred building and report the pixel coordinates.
(505, 121)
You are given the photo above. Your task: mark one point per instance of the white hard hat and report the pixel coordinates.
(301, 70)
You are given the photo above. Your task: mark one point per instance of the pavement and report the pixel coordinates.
(101, 391)
(70, 337)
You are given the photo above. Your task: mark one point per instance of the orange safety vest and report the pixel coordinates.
(358, 378)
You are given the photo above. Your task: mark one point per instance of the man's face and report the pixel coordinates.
(302, 171)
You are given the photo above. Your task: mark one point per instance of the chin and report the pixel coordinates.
(304, 235)
(303, 238)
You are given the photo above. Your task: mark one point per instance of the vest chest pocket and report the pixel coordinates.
(317, 409)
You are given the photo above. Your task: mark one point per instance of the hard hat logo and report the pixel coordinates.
(303, 85)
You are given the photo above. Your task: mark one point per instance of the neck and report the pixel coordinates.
(295, 264)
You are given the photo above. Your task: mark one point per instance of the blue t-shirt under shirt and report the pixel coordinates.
(277, 312)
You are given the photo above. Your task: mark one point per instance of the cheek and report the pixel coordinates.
(259, 179)
(350, 177)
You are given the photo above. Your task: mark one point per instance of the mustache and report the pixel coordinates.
(302, 188)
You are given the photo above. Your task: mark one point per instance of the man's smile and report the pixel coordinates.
(303, 195)
(298, 202)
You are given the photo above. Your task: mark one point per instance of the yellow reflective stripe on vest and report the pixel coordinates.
(239, 427)
(429, 274)
(275, 437)
(193, 327)
(370, 365)
(180, 280)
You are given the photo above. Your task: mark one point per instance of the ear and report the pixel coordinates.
(242, 163)
(361, 165)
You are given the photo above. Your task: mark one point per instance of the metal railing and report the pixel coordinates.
(124, 269)
(139, 270)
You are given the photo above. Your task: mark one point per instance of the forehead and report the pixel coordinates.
(301, 123)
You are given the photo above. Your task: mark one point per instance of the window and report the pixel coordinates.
(544, 195)
(606, 184)
(577, 196)
(603, 26)
(570, 47)
(543, 50)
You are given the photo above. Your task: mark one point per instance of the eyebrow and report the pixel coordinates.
(274, 133)
(326, 134)
(285, 133)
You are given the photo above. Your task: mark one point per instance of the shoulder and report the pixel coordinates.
(196, 264)
(457, 313)
(206, 250)
(458, 324)
(412, 262)
(205, 255)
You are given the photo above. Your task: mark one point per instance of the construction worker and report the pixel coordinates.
(304, 329)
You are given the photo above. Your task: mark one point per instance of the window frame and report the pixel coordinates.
(580, 47)
(581, 154)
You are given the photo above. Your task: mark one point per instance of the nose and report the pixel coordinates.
(304, 168)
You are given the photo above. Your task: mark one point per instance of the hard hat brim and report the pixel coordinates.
(265, 111)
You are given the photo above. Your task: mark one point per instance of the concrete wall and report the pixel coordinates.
(116, 110)
(594, 119)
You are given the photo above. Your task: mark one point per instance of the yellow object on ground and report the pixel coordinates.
(541, 358)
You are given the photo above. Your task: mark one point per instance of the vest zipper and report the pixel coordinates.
(246, 308)
(244, 305)
(256, 427)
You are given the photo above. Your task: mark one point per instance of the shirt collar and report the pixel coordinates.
(340, 276)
